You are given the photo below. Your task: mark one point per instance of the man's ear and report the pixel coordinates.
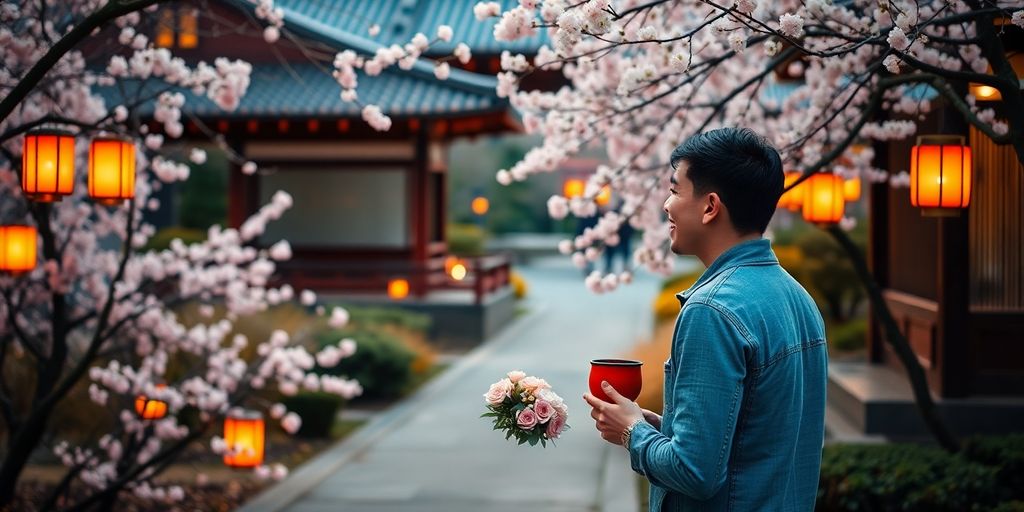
(712, 208)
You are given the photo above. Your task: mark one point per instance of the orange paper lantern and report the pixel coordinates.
(573, 187)
(851, 189)
(48, 165)
(792, 199)
(111, 170)
(940, 175)
(398, 289)
(150, 408)
(480, 205)
(604, 196)
(244, 435)
(823, 198)
(17, 249)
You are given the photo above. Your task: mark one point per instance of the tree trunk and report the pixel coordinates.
(895, 339)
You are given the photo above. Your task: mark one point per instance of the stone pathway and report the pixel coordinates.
(432, 452)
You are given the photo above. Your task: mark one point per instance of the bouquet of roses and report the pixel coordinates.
(526, 408)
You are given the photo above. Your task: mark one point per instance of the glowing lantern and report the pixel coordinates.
(851, 189)
(398, 289)
(455, 267)
(985, 92)
(480, 205)
(150, 408)
(111, 170)
(48, 165)
(604, 196)
(793, 198)
(244, 436)
(823, 198)
(459, 271)
(940, 175)
(17, 249)
(573, 187)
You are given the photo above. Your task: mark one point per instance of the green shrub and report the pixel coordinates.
(828, 275)
(466, 239)
(903, 477)
(382, 363)
(162, 239)
(849, 336)
(1005, 453)
(317, 410)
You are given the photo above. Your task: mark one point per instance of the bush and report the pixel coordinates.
(466, 239)
(828, 275)
(317, 410)
(382, 363)
(519, 286)
(1006, 453)
(903, 477)
(849, 336)
(162, 239)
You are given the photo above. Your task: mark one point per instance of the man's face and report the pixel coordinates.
(684, 212)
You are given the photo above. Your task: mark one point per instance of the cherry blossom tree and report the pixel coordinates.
(100, 311)
(645, 75)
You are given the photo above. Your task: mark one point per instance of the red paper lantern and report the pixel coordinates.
(244, 434)
(940, 175)
(17, 249)
(111, 170)
(48, 165)
(823, 198)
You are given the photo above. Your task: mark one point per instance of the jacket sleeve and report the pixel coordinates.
(710, 353)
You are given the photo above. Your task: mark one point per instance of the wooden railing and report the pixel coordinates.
(484, 275)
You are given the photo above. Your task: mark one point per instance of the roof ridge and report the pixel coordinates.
(457, 78)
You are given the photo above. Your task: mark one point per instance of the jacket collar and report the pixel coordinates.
(751, 252)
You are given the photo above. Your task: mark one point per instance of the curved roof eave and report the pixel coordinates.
(458, 78)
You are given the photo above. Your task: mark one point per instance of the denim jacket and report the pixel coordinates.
(744, 413)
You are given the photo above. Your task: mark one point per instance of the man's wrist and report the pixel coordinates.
(629, 432)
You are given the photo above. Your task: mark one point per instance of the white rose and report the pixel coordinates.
(499, 391)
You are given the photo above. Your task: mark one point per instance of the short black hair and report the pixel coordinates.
(741, 167)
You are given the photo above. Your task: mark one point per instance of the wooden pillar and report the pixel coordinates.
(951, 338)
(243, 192)
(420, 215)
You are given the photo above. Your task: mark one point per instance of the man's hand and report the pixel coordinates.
(612, 419)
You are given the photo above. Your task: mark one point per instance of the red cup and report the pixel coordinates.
(623, 374)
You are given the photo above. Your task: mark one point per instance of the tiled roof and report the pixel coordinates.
(399, 20)
(306, 90)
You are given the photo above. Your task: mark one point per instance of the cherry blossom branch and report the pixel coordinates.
(110, 11)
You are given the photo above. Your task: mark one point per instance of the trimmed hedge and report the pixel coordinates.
(382, 363)
(317, 410)
(986, 474)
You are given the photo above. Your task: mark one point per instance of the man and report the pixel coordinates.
(744, 405)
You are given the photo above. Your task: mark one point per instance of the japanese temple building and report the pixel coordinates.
(369, 207)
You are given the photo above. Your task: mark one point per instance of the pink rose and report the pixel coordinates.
(555, 426)
(499, 391)
(516, 375)
(526, 419)
(532, 384)
(544, 410)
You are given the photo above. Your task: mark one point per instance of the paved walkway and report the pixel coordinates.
(432, 452)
